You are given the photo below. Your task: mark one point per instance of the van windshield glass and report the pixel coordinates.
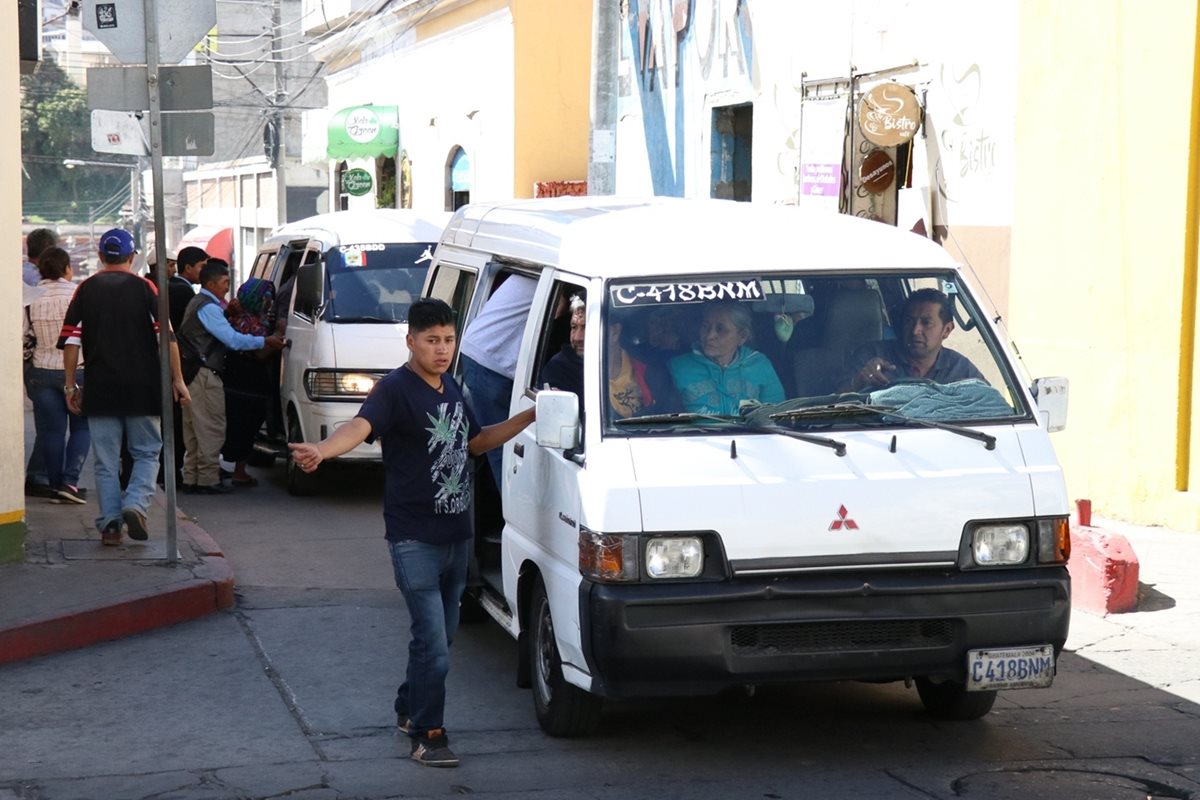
(802, 352)
(375, 282)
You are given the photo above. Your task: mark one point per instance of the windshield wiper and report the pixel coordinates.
(729, 419)
(365, 319)
(681, 416)
(835, 410)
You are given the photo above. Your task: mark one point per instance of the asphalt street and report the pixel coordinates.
(290, 694)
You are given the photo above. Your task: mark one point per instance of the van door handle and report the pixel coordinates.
(519, 450)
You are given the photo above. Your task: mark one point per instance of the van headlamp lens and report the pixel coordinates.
(674, 557)
(1000, 545)
(335, 384)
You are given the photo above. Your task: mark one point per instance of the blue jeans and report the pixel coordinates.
(35, 470)
(62, 456)
(490, 398)
(432, 578)
(144, 440)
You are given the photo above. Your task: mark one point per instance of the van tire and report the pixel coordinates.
(299, 482)
(951, 700)
(562, 709)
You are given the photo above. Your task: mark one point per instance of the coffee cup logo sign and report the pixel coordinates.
(356, 182)
(889, 115)
(362, 125)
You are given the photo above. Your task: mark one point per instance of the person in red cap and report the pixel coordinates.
(113, 318)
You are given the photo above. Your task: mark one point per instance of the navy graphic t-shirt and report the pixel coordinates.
(424, 435)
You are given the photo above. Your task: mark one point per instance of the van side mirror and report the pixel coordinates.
(1051, 397)
(310, 288)
(557, 423)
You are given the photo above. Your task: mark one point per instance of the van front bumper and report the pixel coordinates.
(686, 639)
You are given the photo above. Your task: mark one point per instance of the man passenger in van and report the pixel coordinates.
(490, 347)
(426, 431)
(925, 323)
(565, 369)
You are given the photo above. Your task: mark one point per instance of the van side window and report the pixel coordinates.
(262, 266)
(455, 286)
(559, 361)
(303, 306)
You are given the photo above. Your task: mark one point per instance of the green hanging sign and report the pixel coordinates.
(367, 131)
(356, 182)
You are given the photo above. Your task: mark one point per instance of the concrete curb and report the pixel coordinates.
(117, 617)
(1104, 571)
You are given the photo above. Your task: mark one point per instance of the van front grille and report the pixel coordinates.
(825, 637)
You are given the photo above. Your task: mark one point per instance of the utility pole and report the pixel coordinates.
(278, 113)
(602, 149)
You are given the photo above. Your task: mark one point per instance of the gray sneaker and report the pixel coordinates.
(432, 749)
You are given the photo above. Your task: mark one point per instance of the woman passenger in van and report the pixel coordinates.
(722, 372)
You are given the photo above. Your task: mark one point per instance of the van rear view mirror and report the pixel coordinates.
(1051, 397)
(557, 423)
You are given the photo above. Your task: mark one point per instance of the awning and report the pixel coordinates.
(217, 242)
(367, 131)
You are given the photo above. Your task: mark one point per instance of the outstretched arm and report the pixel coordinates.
(495, 435)
(347, 437)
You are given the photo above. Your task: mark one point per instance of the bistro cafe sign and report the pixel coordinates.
(889, 115)
(366, 131)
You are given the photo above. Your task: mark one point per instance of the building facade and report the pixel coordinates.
(507, 110)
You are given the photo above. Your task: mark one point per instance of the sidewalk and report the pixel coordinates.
(72, 592)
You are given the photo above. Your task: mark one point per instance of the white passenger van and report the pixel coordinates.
(345, 282)
(696, 523)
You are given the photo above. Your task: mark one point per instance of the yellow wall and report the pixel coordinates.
(552, 44)
(1104, 93)
(12, 408)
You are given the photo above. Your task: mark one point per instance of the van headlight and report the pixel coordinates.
(651, 557)
(674, 557)
(333, 384)
(999, 545)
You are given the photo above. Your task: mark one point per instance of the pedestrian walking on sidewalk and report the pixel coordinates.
(113, 319)
(426, 432)
(37, 484)
(62, 437)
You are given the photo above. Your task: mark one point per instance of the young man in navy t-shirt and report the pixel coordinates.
(426, 432)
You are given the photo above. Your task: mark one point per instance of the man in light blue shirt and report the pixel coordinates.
(204, 337)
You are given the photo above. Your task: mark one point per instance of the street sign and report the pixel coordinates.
(126, 88)
(120, 132)
(188, 134)
(184, 134)
(120, 25)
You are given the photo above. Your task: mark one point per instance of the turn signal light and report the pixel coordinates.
(1054, 540)
(607, 557)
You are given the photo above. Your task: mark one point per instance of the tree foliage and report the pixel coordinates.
(56, 125)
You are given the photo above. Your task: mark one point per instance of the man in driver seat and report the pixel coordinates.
(924, 324)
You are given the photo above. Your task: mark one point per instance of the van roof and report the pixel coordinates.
(614, 237)
(368, 226)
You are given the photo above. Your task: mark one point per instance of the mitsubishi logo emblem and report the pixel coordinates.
(843, 521)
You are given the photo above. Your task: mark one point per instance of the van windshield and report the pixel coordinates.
(375, 282)
(802, 352)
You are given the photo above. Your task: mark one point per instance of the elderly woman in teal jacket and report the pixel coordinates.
(722, 373)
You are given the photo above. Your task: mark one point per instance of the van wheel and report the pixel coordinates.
(562, 709)
(951, 700)
(299, 482)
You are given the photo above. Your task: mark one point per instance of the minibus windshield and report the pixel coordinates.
(375, 282)
(805, 352)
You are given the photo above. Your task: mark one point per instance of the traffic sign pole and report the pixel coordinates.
(160, 253)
